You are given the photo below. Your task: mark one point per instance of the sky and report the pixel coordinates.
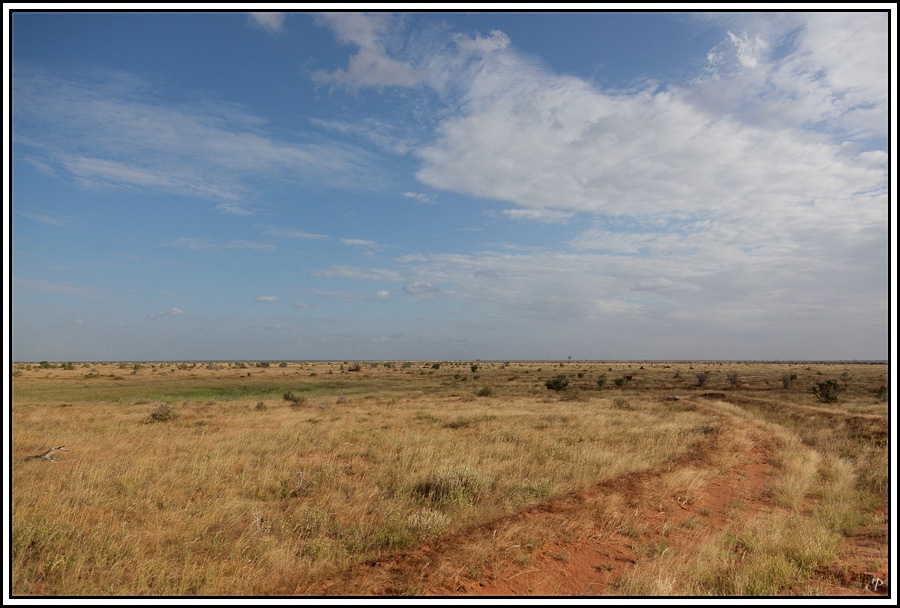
(438, 185)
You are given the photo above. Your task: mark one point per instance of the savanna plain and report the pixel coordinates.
(450, 478)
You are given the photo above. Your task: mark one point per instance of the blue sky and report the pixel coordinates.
(449, 185)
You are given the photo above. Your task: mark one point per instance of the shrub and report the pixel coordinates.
(485, 391)
(732, 378)
(601, 381)
(559, 383)
(294, 399)
(260, 405)
(435, 366)
(622, 404)
(620, 381)
(827, 391)
(163, 413)
(787, 379)
(702, 378)
(474, 367)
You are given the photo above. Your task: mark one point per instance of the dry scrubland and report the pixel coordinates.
(287, 478)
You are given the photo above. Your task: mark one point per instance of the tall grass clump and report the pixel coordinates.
(458, 487)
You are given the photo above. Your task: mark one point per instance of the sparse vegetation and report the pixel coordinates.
(214, 499)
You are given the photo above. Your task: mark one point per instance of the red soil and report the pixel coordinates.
(589, 565)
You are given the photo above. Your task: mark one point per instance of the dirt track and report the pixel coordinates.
(591, 562)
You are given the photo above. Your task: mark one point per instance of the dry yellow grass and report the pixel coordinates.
(201, 479)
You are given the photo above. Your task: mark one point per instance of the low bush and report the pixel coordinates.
(559, 383)
(163, 413)
(827, 392)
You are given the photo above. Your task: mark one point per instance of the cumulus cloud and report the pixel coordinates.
(272, 22)
(371, 65)
(382, 293)
(748, 50)
(267, 299)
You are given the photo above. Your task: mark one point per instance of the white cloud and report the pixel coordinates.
(48, 287)
(546, 216)
(54, 219)
(270, 21)
(748, 50)
(201, 244)
(113, 132)
(294, 234)
(359, 243)
(371, 65)
(267, 299)
(360, 274)
(419, 196)
(389, 137)
(495, 41)
(419, 288)
(382, 293)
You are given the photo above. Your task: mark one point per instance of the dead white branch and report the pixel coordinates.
(48, 455)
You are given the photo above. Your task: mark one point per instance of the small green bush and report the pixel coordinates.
(559, 383)
(485, 391)
(827, 392)
(601, 381)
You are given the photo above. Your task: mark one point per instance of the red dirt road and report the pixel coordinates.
(592, 559)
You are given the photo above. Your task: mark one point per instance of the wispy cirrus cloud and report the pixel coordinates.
(288, 233)
(359, 243)
(50, 287)
(362, 274)
(267, 299)
(112, 131)
(54, 219)
(206, 245)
